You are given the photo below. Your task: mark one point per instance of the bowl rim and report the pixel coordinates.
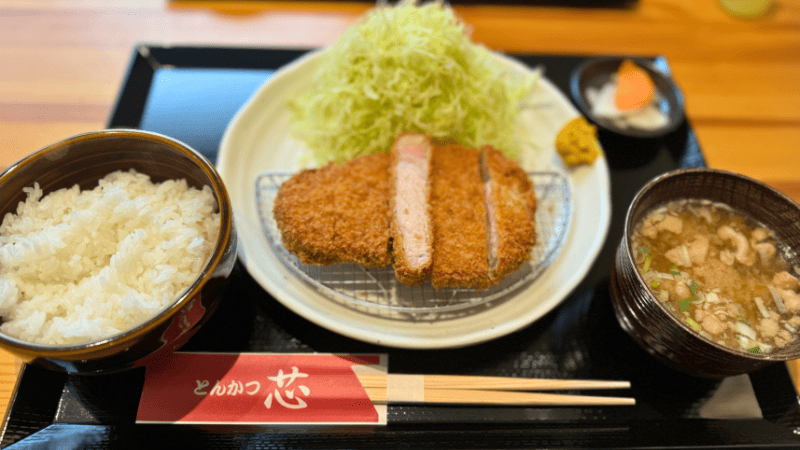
(126, 338)
(580, 99)
(627, 228)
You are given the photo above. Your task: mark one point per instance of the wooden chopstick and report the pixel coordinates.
(477, 397)
(492, 383)
(403, 388)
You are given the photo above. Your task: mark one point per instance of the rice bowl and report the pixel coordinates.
(78, 266)
(176, 312)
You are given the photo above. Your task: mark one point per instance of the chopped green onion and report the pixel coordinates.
(693, 288)
(684, 304)
(674, 270)
(755, 350)
(644, 250)
(654, 283)
(646, 266)
(742, 319)
(693, 324)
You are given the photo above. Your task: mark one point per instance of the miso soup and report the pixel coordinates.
(721, 272)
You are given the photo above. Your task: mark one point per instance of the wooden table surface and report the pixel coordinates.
(63, 62)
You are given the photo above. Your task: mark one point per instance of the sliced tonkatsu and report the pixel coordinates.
(459, 219)
(412, 230)
(457, 216)
(304, 212)
(511, 209)
(338, 213)
(361, 201)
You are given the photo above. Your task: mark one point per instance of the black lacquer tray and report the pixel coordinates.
(191, 94)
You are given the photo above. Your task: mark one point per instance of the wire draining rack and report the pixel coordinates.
(376, 290)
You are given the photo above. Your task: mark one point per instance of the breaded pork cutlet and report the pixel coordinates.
(409, 193)
(511, 207)
(305, 215)
(362, 211)
(457, 216)
(337, 213)
(459, 219)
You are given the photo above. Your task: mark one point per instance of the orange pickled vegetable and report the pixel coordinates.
(635, 88)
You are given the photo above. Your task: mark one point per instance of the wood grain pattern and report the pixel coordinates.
(487, 383)
(482, 390)
(478, 397)
(65, 60)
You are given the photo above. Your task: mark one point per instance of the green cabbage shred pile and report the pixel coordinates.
(407, 68)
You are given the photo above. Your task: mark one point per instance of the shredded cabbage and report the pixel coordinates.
(408, 68)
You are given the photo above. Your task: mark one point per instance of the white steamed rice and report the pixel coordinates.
(78, 266)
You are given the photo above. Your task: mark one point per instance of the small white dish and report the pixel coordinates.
(594, 74)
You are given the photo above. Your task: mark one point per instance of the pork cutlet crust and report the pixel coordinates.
(304, 213)
(346, 214)
(337, 213)
(513, 195)
(362, 211)
(459, 219)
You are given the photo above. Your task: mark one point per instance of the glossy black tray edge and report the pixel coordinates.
(36, 400)
(131, 101)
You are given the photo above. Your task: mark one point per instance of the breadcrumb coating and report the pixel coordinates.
(475, 226)
(513, 204)
(337, 213)
(304, 212)
(459, 219)
(362, 211)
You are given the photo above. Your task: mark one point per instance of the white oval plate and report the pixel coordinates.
(258, 140)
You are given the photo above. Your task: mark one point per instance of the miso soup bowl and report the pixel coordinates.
(83, 160)
(647, 321)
